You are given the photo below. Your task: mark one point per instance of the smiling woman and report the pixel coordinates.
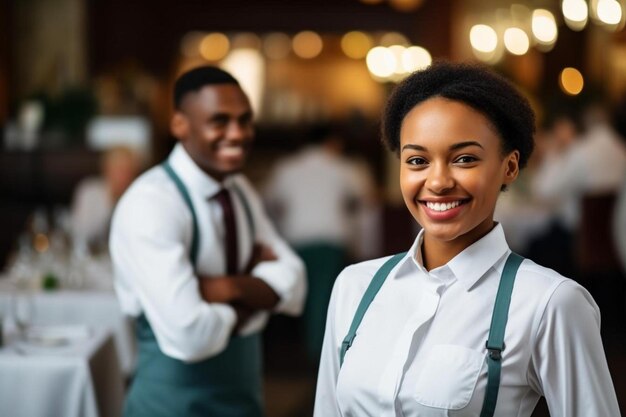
(475, 329)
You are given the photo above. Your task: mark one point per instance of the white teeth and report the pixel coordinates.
(442, 206)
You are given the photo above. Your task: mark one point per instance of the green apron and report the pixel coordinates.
(495, 342)
(226, 385)
(323, 261)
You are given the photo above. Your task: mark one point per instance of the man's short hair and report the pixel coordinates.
(197, 78)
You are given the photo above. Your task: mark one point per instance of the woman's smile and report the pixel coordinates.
(452, 170)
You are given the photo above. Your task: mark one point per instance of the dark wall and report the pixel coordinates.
(150, 31)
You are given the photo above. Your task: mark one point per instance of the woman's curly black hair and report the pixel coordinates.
(476, 86)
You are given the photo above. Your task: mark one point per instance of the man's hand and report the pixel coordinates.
(243, 315)
(260, 253)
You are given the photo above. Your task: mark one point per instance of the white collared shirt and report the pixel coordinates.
(420, 349)
(150, 244)
(313, 188)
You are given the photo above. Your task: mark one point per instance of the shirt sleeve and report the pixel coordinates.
(326, 393)
(568, 358)
(286, 275)
(150, 239)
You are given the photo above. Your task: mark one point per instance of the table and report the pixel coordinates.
(80, 379)
(96, 309)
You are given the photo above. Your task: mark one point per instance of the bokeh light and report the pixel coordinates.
(277, 45)
(609, 12)
(214, 46)
(405, 5)
(356, 44)
(575, 13)
(544, 27)
(415, 58)
(393, 38)
(571, 81)
(381, 62)
(307, 44)
(483, 38)
(516, 41)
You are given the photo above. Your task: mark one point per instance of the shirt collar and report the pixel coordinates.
(469, 265)
(194, 178)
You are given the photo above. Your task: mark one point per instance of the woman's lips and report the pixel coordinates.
(443, 210)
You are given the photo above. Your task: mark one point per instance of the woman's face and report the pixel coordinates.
(452, 170)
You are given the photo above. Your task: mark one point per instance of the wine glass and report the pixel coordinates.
(22, 311)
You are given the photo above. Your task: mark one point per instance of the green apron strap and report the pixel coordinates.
(193, 253)
(370, 293)
(247, 208)
(495, 343)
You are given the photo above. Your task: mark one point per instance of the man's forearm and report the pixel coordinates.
(244, 290)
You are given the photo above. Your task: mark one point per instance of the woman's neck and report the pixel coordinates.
(436, 252)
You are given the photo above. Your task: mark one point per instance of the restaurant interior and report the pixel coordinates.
(81, 77)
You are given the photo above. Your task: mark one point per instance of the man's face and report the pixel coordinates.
(215, 127)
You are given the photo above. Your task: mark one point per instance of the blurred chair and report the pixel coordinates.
(600, 268)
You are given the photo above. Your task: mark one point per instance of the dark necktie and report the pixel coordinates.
(230, 228)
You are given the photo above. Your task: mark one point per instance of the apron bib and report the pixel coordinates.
(226, 385)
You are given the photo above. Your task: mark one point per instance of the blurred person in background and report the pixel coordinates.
(594, 164)
(95, 197)
(198, 264)
(318, 198)
(554, 247)
(590, 173)
(425, 332)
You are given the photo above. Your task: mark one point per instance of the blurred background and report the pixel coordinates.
(85, 104)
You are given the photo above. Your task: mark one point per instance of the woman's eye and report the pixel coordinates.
(416, 161)
(466, 159)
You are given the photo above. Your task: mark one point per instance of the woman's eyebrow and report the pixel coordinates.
(461, 145)
(454, 147)
(414, 147)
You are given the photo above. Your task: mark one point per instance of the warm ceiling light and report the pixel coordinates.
(307, 44)
(397, 51)
(393, 38)
(483, 38)
(246, 40)
(571, 81)
(609, 12)
(356, 44)
(516, 41)
(214, 46)
(277, 45)
(416, 58)
(575, 13)
(381, 62)
(405, 5)
(544, 27)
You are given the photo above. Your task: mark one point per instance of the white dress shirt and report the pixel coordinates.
(150, 245)
(420, 350)
(312, 188)
(593, 165)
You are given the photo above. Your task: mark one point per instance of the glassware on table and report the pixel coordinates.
(22, 311)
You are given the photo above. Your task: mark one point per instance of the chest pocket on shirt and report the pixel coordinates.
(448, 377)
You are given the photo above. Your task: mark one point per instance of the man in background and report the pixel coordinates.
(198, 263)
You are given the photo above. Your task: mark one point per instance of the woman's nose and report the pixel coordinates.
(439, 179)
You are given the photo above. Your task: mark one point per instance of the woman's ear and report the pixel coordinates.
(511, 168)
(179, 126)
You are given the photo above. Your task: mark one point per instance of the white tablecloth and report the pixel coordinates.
(81, 379)
(96, 309)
